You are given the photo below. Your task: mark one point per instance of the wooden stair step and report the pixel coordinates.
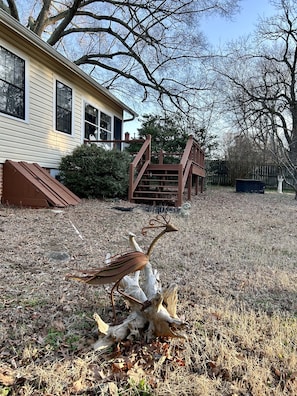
(162, 186)
(161, 174)
(160, 177)
(154, 199)
(155, 192)
(164, 196)
(156, 185)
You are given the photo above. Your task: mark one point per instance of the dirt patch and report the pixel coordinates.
(234, 260)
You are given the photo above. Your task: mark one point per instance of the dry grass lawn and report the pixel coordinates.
(234, 260)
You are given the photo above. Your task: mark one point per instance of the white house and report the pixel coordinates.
(48, 105)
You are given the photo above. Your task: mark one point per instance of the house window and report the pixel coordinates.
(12, 84)
(91, 122)
(105, 127)
(98, 125)
(63, 108)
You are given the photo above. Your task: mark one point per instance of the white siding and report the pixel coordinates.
(37, 140)
(1, 180)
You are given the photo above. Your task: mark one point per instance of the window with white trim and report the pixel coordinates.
(12, 84)
(98, 125)
(105, 127)
(91, 122)
(63, 108)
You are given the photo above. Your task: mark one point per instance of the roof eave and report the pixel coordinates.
(34, 39)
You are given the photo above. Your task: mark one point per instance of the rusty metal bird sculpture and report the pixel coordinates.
(124, 264)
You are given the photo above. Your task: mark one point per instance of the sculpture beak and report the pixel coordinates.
(170, 228)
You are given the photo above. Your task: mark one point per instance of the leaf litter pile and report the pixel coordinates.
(234, 260)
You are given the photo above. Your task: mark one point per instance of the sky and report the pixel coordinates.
(219, 31)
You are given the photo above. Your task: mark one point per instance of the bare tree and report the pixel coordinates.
(260, 75)
(148, 48)
(241, 155)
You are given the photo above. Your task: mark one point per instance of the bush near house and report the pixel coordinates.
(93, 172)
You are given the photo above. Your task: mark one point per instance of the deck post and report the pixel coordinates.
(190, 181)
(131, 182)
(161, 157)
(196, 184)
(180, 186)
(202, 184)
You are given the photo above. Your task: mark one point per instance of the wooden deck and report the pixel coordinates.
(166, 184)
(163, 184)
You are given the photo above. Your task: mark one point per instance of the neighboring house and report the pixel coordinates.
(48, 105)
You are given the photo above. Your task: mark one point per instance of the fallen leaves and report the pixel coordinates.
(7, 376)
(132, 363)
(287, 379)
(113, 389)
(78, 386)
(58, 325)
(121, 365)
(217, 370)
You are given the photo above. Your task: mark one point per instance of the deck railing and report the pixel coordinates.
(191, 163)
(139, 165)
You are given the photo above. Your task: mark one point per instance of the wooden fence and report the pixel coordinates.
(267, 174)
(218, 173)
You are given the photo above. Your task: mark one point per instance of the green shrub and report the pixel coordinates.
(93, 172)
